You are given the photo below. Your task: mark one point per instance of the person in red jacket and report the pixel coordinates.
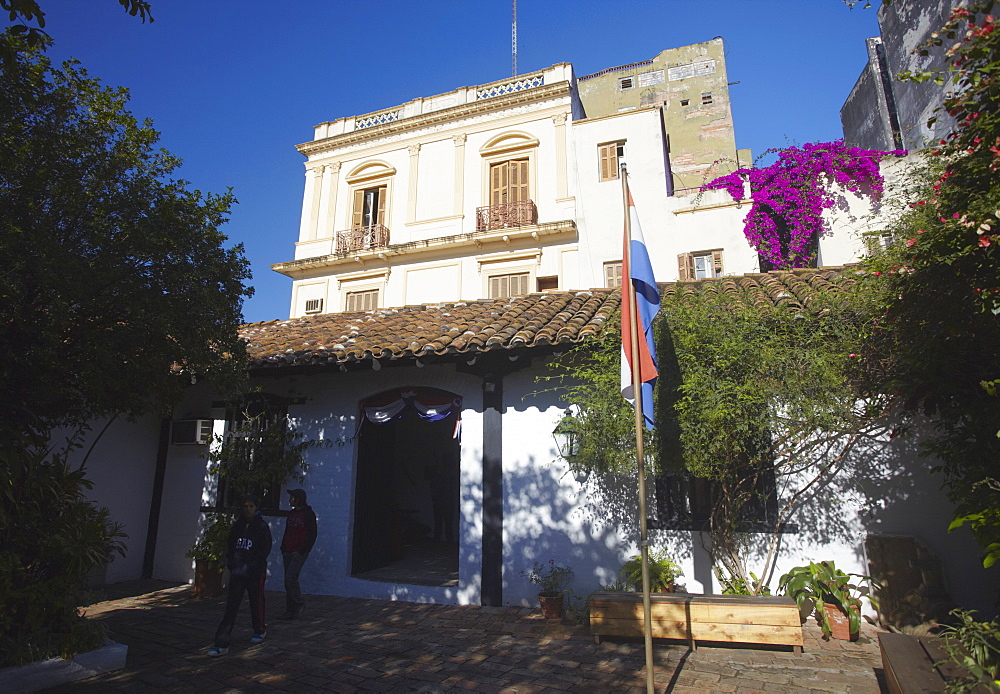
(299, 538)
(249, 545)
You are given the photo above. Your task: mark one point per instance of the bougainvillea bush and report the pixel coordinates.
(790, 196)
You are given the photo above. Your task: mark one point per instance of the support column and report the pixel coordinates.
(562, 181)
(156, 501)
(492, 568)
(411, 191)
(459, 141)
(328, 201)
(310, 203)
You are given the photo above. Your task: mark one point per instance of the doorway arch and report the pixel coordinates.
(407, 487)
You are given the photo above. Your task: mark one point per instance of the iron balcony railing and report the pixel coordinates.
(506, 215)
(362, 238)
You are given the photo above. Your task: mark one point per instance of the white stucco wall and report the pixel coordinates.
(120, 462)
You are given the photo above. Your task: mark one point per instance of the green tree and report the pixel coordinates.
(117, 288)
(939, 344)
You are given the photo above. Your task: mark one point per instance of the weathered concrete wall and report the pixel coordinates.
(869, 114)
(691, 85)
(904, 26)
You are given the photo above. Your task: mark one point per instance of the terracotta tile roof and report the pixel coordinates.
(537, 320)
(545, 320)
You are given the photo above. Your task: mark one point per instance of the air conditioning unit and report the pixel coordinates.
(314, 305)
(192, 431)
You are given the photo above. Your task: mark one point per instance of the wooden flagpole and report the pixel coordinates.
(639, 452)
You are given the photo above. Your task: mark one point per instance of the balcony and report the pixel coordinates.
(362, 238)
(506, 215)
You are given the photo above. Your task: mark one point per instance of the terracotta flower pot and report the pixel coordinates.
(551, 604)
(839, 623)
(207, 580)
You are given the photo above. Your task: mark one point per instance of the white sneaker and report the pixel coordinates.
(257, 638)
(216, 651)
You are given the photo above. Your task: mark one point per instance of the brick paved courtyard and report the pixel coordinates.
(349, 645)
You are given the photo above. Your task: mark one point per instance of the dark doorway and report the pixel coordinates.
(407, 488)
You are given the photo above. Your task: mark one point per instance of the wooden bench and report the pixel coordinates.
(728, 618)
(918, 665)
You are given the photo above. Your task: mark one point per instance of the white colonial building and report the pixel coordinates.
(449, 249)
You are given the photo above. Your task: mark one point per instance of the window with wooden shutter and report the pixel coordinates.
(509, 181)
(699, 265)
(508, 285)
(611, 155)
(369, 206)
(362, 301)
(613, 274)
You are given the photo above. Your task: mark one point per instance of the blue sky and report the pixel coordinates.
(234, 85)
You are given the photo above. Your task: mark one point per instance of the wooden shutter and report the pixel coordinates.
(498, 183)
(359, 208)
(519, 284)
(382, 195)
(612, 275)
(685, 267)
(497, 286)
(518, 181)
(717, 263)
(609, 161)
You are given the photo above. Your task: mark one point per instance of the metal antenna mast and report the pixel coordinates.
(513, 43)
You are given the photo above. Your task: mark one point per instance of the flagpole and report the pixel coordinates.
(639, 452)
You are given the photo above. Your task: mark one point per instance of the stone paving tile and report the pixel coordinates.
(354, 645)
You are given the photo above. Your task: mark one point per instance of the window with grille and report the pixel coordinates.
(366, 300)
(625, 83)
(508, 285)
(369, 206)
(699, 265)
(706, 99)
(613, 274)
(612, 156)
(314, 305)
(256, 434)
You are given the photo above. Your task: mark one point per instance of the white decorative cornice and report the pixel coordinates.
(455, 113)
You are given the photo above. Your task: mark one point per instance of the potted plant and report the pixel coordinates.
(209, 554)
(552, 581)
(825, 590)
(662, 572)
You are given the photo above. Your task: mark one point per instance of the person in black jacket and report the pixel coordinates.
(246, 558)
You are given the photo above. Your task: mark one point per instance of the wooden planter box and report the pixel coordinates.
(918, 665)
(727, 618)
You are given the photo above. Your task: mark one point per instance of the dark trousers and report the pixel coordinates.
(293, 592)
(254, 587)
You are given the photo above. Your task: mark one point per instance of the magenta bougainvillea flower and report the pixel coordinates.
(790, 195)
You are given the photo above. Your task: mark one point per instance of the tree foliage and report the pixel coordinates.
(117, 286)
(765, 400)
(940, 337)
(751, 397)
(24, 14)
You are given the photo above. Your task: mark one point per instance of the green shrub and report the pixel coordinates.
(50, 539)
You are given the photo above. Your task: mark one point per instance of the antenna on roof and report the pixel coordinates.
(513, 43)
